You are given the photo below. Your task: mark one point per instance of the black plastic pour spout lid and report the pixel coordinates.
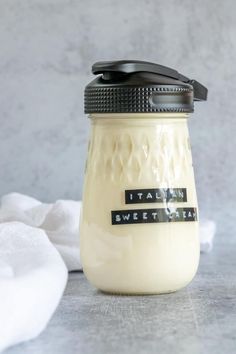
(131, 86)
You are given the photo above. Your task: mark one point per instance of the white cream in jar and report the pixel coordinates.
(139, 220)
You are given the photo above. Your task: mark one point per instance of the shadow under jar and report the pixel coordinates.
(139, 220)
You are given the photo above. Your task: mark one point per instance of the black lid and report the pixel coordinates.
(132, 86)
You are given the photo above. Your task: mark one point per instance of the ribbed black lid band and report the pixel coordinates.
(138, 99)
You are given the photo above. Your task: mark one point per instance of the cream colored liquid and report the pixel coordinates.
(137, 151)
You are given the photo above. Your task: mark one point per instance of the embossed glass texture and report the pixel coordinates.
(151, 246)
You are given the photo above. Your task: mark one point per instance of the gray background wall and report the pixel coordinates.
(47, 48)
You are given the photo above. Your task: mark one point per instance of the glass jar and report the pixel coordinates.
(139, 220)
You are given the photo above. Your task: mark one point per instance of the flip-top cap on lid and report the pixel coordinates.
(131, 86)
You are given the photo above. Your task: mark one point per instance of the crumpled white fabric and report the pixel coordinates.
(60, 221)
(32, 280)
(39, 243)
(207, 233)
(35, 239)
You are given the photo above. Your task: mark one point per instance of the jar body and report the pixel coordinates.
(139, 169)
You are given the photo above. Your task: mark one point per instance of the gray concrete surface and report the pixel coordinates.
(47, 48)
(199, 319)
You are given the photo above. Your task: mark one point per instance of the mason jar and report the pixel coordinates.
(139, 220)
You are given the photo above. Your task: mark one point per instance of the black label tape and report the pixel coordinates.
(148, 216)
(155, 195)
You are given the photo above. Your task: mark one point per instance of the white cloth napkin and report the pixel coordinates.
(32, 272)
(32, 279)
(60, 221)
(207, 233)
